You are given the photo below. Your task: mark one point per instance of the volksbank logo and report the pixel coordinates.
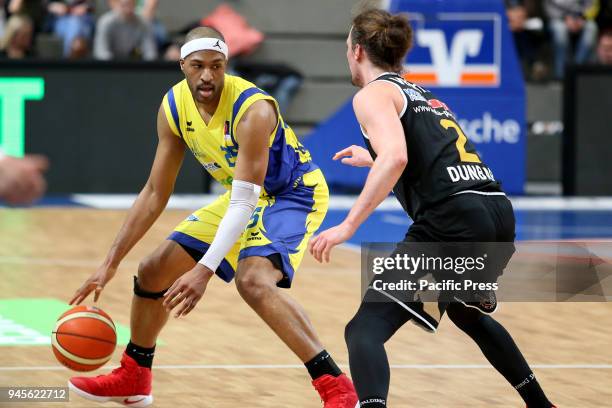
(456, 50)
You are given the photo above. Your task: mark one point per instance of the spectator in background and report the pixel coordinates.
(36, 10)
(604, 47)
(3, 10)
(73, 22)
(16, 43)
(517, 14)
(604, 18)
(279, 80)
(147, 9)
(526, 20)
(21, 180)
(122, 34)
(572, 18)
(172, 52)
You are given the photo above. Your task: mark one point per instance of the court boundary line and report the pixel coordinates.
(63, 262)
(300, 366)
(345, 202)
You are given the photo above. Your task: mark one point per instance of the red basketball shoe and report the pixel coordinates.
(128, 385)
(336, 392)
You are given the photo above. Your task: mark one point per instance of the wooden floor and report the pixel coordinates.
(49, 252)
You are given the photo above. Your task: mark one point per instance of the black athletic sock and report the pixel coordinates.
(322, 364)
(532, 393)
(502, 352)
(373, 402)
(142, 355)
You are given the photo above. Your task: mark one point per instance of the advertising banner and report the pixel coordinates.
(464, 52)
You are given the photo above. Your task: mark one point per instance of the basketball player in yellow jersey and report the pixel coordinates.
(257, 231)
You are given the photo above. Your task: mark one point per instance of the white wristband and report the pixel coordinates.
(243, 201)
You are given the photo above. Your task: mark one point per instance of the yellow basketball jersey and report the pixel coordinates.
(215, 146)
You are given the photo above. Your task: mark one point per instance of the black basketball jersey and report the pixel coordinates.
(441, 160)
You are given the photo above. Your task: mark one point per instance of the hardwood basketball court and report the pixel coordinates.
(223, 356)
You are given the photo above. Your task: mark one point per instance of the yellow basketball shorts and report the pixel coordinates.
(280, 224)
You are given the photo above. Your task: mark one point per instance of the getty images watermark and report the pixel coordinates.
(422, 265)
(515, 272)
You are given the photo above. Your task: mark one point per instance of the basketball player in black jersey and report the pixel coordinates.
(417, 149)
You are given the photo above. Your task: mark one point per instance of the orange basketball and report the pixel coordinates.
(84, 338)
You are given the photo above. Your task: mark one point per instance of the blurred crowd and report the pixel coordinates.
(115, 30)
(128, 30)
(548, 33)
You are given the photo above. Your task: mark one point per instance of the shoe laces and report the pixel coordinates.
(122, 373)
(331, 389)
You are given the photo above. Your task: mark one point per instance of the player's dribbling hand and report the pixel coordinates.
(95, 283)
(355, 156)
(321, 245)
(187, 289)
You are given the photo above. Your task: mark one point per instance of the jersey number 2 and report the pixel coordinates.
(461, 141)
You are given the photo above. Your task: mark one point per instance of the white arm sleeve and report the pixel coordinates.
(242, 204)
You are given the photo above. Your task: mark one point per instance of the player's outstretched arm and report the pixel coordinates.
(253, 135)
(377, 113)
(146, 209)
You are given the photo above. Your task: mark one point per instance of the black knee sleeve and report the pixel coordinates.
(138, 291)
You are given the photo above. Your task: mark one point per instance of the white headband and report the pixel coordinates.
(202, 44)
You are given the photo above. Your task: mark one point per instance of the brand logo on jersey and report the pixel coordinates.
(436, 104)
(211, 167)
(436, 107)
(192, 217)
(297, 182)
(414, 95)
(456, 50)
(189, 128)
(254, 236)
